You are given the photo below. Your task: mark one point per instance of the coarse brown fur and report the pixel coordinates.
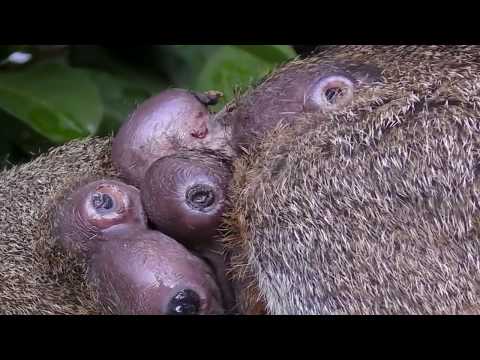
(373, 209)
(36, 275)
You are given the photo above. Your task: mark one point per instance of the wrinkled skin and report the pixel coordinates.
(95, 207)
(139, 271)
(184, 195)
(161, 125)
(165, 182)
(369, 208)
(134, 270)
(300, 88)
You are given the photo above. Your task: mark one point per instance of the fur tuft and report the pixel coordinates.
(373, 209)
(37, 277)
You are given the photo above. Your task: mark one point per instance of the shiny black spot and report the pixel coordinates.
(102, 201)
(200, 197)
(185, 302)
(332, 93)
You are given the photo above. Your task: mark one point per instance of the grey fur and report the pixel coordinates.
(36, 276)
(373, 209)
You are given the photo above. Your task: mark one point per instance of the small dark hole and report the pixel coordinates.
(185, 302)
(332, 93)
(200, 197)
(102, 201)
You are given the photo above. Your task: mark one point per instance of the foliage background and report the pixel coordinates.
(61, 92)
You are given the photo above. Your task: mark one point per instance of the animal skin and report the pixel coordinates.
(370, 208)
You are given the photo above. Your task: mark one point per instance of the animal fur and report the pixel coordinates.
(36, 276)
(373, 209)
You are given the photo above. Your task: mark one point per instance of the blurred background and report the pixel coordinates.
(50, 94)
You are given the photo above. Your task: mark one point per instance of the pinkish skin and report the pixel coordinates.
(290, 95)
(172, 119)
(94, 207)
(185, 197)
(139, 271)
(135, 270)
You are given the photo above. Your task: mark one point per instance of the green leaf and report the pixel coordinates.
(99, 58)
(19, 143)
(183, 63)
(229, 68)
(119, 96)
(59, 102)
(5, 52)
(272, 53)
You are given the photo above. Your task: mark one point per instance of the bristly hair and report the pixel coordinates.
(372, 209)
(37, 276)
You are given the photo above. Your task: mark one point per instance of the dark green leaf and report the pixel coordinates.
(99, 58)
(5, 52)
(273, 54)
(229, 68)
(183, 63)
(120, 97)
(59, 102)
(19, 143)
